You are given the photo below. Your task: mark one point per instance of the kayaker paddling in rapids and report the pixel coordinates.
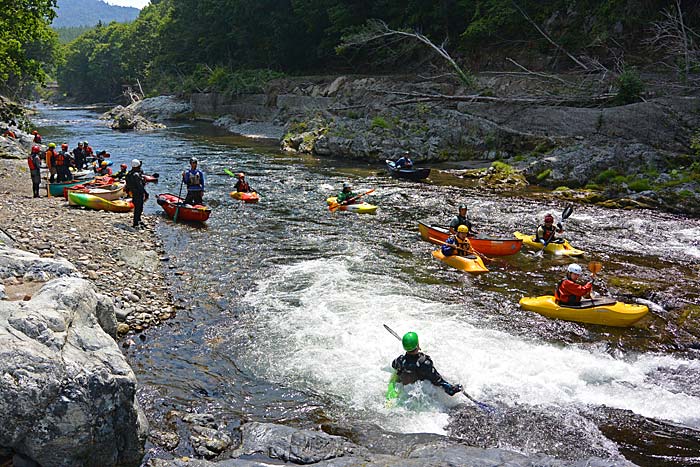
(194, 179)
(546, 232)
(569, 291)
(346, 196)
(242, 185)
(461, 219)
(415, 366)
(458, 244)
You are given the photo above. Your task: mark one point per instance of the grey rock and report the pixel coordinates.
(3, 295)
(67, 396)
(161, 108)
(19, 263)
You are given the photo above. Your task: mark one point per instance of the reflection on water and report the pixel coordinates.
(284, 302)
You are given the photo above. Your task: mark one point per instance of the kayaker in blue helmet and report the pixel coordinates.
(404, 161)
(569, 291)
(346, 196)
(414, 366)
(458, 244)
(546, 232)
(194, 179)
(461, 219)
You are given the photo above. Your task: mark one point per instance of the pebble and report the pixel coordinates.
(123, 328)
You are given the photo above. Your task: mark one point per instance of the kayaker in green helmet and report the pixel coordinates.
(414, 366)
(346, 196)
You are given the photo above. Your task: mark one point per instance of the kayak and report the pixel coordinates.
(359, 208)
(471, 264)
(603, 310)
(82, 174)
(56, 189)
(392, 393)
(186, 212)
(251, 197)
(490, 246)
(416, 173)
(559, 247)
(95, 202)
(110, 193)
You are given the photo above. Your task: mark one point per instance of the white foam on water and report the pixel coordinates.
(320, 327)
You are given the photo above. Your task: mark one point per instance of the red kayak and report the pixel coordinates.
(186, 212)
(486, 245)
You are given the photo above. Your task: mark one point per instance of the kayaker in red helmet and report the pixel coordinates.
(34, 163)
(37, 137)
(546, 232)
(415, 366)
(570, 292)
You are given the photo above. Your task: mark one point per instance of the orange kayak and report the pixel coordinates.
(489, 246)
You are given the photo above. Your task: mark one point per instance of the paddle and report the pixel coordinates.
(594, 267)
(481, 405)
(564, 215)
(179, 203)
(335, 206)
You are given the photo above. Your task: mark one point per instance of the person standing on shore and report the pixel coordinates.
(34, 162)
(79, 156)
(136, 185)
(37, 137)
(50, 161)
(194, 179)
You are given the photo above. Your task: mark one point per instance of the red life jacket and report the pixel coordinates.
(59, 159)
(569, 292)
(31, 163)
(548, 232)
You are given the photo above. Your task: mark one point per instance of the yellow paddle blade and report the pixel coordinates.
(595, 267)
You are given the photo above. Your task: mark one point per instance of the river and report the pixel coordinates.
(282, 307)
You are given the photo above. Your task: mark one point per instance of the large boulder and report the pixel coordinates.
(67, 396)
(162, 108)
(30, 266)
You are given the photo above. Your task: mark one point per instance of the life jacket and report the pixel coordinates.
(242, 186)
(37, 139)
(563, 297)
(10, 134)
(548, 233)
(50, 154)
(59, 159)
(409, 372)
(104, 171)
(462, 247)
(33, 163)
(194, 178)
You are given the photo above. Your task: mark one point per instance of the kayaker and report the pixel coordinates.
(79, 156)
(103, 169)
(37, 137)
(241, 185)
(568, 291)
(194, 179)
(414, 366)
(34, 163)
(458, 244)
(50, 156)
(346, 196)
(136, 185)
(62, 164)
(122, 172)
(461, 219)
(87, 149)
(546, 232)
(404, 161)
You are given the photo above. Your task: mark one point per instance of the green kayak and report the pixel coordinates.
(392, 392)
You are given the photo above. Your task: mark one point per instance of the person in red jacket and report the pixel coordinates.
(569, 292)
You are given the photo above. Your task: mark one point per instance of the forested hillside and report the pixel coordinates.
(71, 13)
(233, 45)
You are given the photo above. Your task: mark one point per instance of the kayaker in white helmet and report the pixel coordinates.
(569, 291)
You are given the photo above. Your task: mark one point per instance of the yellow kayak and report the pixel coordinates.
(359, 208)
(471, 264)
(562, 249)
(601, 310)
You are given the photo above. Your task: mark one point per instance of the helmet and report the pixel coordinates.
(193, 160)
(548, 218)
(462, 206)
(410, 341)
(241, 175)
(85, 143)
(64, 146)
(52, 145)
(80, 143)
(574, 268)
(135, 163)
(35, 149)
(104, 163)
(347, 185)
(463, 228)
(123, 166)
(34, 132)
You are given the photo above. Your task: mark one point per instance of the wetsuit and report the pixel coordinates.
(344, 196)
(136, 185)
(546, 234)
(34, 163)
(412, 367)
(460, 220)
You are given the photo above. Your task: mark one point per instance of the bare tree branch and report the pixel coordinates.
(376, 29)
(671, 36)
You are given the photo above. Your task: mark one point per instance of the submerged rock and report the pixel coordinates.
(68, 396)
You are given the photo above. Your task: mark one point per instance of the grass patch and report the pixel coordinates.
(503, 167)
(605, 176)
(380, 122)
(544, 174)
(638, 185)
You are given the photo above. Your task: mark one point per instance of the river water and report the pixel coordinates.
(282, 307)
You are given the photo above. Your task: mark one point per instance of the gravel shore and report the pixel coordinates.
(124, 263)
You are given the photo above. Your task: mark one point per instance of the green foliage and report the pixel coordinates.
(380, 122)
(605, 176)
(641, 184)
(544, 174)
(502, 167)
(88, 13)
(629, 87)
(68, 34)
(28, 47)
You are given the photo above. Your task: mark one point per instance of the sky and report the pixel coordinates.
(134, 3)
